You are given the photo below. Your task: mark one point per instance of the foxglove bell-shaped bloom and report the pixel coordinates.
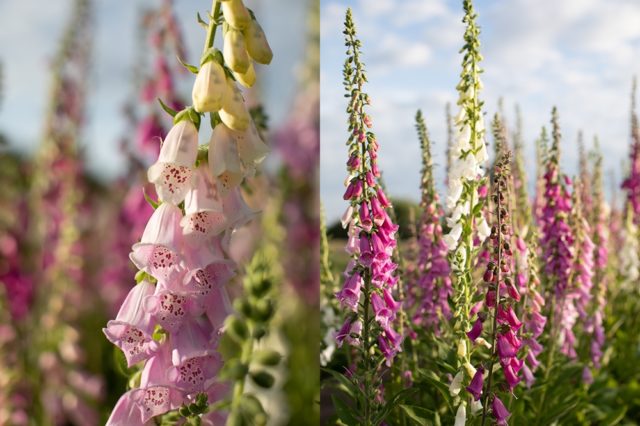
(168, 309)
(203, 217)
(209, 87)
(499, 411)
(157, 251)
(173, 171)
(237, 212)
(224, 159)
(196, 339)
(349, 296)
(127, 412)
(132, 329)
(251, 149)
(475, 387)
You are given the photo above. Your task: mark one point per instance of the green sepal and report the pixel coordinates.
(142, 276)
(211, 54)
(150, 200)
(203, 154)
(172, 112)
(190, 67)
(214, 119)
(188, 114)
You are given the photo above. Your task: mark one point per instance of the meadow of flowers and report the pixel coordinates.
(197, 281)
(165, 296)
(495, 304)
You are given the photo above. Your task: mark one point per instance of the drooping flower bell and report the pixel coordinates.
(174, 169)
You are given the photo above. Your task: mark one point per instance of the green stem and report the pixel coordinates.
(245, 357)
(213, 25)
(550, 357)
(366, 346)
(495, 315)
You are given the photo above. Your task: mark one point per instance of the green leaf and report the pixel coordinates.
(419, 415)
(615, 416)
(190, 67)
(345, 414)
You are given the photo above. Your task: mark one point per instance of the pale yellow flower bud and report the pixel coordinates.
(235, 53)
(234, 112)
(257, 44)
(209, 87)
(236, 14)
(462, 348)
(248, 78)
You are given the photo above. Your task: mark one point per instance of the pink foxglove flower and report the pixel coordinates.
(132, 329)
(174, 169)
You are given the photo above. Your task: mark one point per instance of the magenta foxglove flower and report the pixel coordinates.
(499, 411)
(475, 387)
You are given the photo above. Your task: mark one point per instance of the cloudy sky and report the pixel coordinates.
(29, 36)
(577, 54)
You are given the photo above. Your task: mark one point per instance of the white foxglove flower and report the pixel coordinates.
(347, 216)
(454, 193)
(482, 155)
(464, 138)
(451, 239)
(456, 384)
(483, 230)
(461, 415)
(209, 87)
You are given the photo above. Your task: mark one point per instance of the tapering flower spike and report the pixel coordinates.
(631, 183)
(465, 177)
(433, 272)
(369, 280)
(502, 295)
(595, 326)
(556, 242)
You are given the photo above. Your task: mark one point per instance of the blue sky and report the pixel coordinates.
(577, 54)
(29, 36)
